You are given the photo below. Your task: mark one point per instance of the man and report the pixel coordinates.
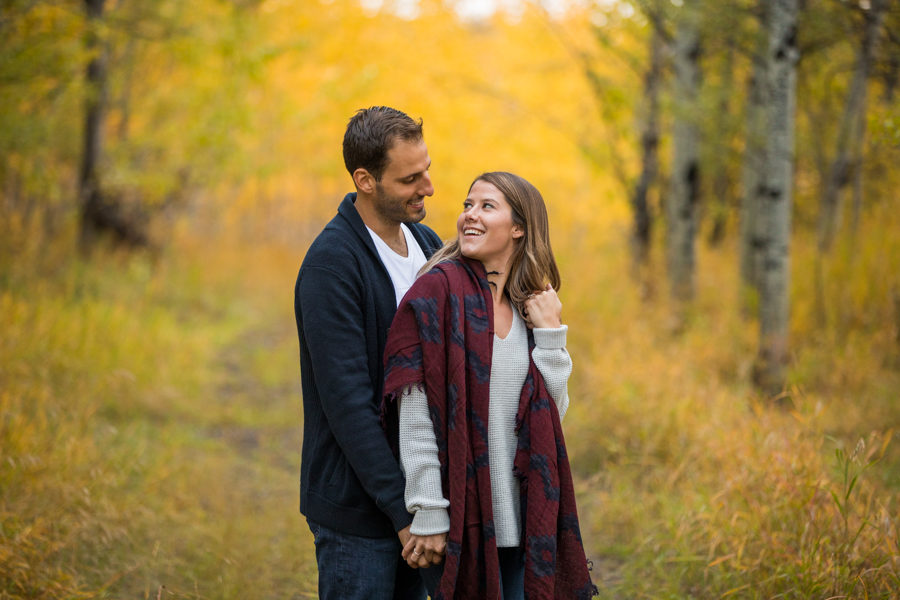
(348, 288)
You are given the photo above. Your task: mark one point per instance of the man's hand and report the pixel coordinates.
(422, 551)
(404, 534)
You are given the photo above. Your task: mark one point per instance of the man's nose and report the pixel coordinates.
(427, 188)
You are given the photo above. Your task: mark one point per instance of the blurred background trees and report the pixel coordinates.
(734, 110)
(170, 103)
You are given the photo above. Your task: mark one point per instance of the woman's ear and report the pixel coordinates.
(517, 232)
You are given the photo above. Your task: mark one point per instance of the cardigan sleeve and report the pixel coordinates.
(554, 363)
(419, 460)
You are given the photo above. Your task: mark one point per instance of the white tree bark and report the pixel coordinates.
(775, 276)
(751, 232)
(684, 193)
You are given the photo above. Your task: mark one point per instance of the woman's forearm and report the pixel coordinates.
(419, 459)
(554, 363)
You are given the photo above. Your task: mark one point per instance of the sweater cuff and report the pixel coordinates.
(430, 521)
(550, 339)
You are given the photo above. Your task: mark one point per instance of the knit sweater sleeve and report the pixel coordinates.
(419, 460)
(554, 363)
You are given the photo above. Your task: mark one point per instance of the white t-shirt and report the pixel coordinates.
(402, 269)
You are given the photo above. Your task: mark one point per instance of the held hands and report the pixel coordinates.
(543, 309)
(421, 551)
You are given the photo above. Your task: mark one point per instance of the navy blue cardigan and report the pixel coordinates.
(344, 303)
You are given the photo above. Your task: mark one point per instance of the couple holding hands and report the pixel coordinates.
(434, 381)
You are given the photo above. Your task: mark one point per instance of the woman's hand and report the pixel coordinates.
(543, 309)
(422, 551)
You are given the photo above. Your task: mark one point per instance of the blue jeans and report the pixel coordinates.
(512, 574)
(359, 568)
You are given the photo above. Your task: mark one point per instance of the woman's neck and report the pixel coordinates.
(503, 311)
(497, 278)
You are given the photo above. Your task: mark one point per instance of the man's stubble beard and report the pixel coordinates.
(394, 209)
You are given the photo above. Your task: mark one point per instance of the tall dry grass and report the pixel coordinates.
(149, 429)
(693, 486)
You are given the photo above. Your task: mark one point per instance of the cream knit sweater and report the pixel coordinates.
(418, 447)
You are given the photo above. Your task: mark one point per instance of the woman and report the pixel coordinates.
(480, 401)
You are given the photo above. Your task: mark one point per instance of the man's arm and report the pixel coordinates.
(334, 328)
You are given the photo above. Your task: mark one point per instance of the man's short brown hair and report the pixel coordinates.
(371, 133)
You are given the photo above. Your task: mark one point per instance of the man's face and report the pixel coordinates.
(400, 195)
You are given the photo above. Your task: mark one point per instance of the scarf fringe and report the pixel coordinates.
(394, 396)
(390, 413)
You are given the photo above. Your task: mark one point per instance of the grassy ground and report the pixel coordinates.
(150, 432)
(150, 439)
(694, 487)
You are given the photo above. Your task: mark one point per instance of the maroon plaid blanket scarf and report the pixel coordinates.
(442, 338)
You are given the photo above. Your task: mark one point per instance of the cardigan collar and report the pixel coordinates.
(347, 210)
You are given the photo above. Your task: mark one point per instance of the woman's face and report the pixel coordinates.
(485, 227)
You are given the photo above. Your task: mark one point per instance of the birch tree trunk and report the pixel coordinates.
(847, 155)
(751, 230)
(775, 278)
(681, 205)
(640, 206)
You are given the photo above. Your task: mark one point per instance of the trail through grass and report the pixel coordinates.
(150, 438)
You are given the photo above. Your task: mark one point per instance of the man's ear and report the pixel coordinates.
(364, 181)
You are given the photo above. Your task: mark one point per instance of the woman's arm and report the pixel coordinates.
(543, 313)
(424, 494)
(554, 363)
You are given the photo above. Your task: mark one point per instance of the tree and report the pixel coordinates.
(100, 212)
(851, 131)
(40, 52)
(684, 193)
(719, 152)
(781, 61)
(640, 206)
(751, 231)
